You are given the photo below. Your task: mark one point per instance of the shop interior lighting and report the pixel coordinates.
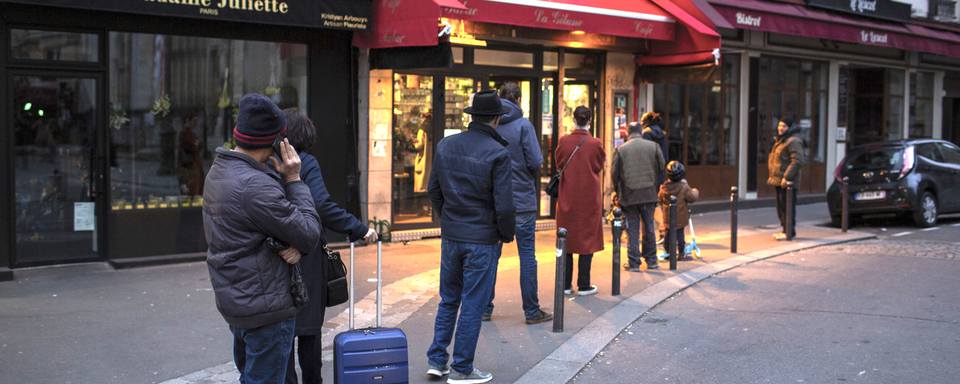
(467, 41)
(577, 32)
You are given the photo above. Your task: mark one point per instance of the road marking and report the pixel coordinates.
(955, 225)
(930, 229)
(902, 234)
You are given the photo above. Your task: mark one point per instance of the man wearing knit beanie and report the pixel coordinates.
(245, 205)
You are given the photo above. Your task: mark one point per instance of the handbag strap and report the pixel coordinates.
(571, 156)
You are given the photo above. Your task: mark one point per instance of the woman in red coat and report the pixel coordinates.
(579, 206)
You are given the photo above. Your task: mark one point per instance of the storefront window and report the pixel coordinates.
(413, 144)
(173, 101)
(503, 58)
(28, 44)
(570, 61)
(794, 87)
(546, 144)
(921, 104)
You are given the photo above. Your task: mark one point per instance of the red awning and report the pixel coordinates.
(798, 20)
(696, 42)
(633, 18)
(407, 23)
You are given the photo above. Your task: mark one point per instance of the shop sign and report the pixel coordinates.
(335, 14)
(748, 20)
(880, 9)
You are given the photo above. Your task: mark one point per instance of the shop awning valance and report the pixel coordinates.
(630, 18)
(792, 19)
(407, 23)
(696, 40)
(413, 22)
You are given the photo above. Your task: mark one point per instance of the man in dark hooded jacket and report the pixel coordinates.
(526, 159)
(783, 164)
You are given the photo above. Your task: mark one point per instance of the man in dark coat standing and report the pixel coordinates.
(636, 167)
(526, 160)
(245, 203)
(783, 164)
(472, 190)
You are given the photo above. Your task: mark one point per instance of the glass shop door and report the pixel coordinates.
(56, 119)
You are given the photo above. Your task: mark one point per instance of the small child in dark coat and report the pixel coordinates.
(677, 186)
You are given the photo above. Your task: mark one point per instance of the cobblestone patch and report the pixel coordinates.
(930, 250)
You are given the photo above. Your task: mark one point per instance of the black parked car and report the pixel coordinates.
(919, 177)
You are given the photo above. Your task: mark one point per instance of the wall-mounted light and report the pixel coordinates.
(40, 112)
(27, 106)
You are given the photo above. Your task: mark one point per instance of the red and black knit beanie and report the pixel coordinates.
(258, 122)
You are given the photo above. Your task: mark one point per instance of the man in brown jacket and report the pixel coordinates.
(786, 158)
(636, 166)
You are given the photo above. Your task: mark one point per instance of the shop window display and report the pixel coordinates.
(173, 101)
(413, 143)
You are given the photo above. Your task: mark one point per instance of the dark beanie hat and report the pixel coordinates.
(788, 121)
(258, 122)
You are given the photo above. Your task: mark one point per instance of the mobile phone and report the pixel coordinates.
(276, 146)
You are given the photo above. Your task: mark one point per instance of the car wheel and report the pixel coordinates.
(926, 216)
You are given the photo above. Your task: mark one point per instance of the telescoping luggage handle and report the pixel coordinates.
(379, 283)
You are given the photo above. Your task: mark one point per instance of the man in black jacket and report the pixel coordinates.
(471, 188)
(244, 204)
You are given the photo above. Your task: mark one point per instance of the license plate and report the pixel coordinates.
(871, 195)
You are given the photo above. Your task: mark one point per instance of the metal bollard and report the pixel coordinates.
(845, 219)
(790, 211)
(672, 234)
(617, 231)
(558, 292)
(734, 211)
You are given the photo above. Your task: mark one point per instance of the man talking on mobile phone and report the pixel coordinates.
(245, 203)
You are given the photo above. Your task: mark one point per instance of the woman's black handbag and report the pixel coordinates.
(336, 278)
(553, 187)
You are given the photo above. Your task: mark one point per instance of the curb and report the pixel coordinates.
(565, 362)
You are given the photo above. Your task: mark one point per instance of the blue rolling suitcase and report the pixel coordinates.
(371, 355)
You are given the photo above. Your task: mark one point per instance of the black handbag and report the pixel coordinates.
(336, 278)
(553, 187)
(297, 288)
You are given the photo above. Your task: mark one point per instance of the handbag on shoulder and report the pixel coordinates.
(336, 278)
(553, 187)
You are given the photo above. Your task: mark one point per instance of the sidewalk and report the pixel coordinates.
(510, 349)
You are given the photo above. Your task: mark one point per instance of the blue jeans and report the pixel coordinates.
(527, 248)
(467, 275)
(634, 214)
(261, 354)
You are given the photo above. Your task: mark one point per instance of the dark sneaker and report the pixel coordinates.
(592, 290)
(684, 257)
(652, 266)
(438, 371)
(486, 317)
(568, 291)
(627, 267)
(474, 377)
(540, 317)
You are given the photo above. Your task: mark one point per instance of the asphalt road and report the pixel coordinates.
(882, 311)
